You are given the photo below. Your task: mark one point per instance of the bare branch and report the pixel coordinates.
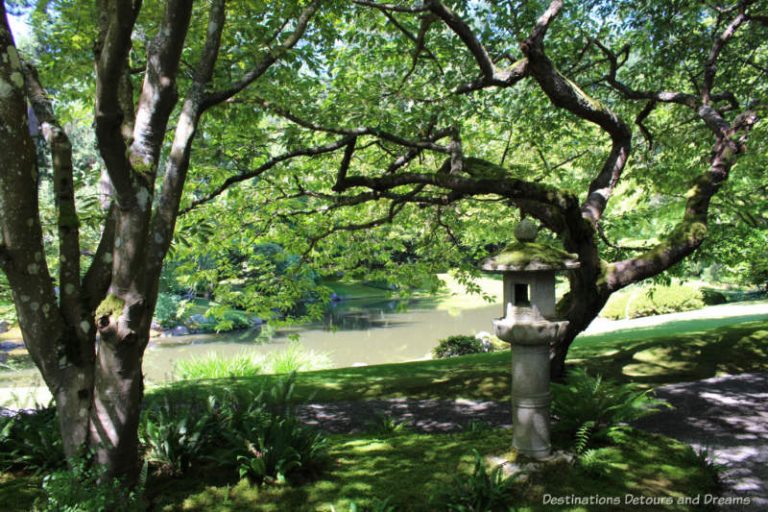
(490, 76)
(487, 178)
(117, 19)
(640, 119)
(688, 100)
(542, 24)
(688, 235)
(158, 94)
(461, 29)
(393, 7)
(165, 215)
(566, 94)
(99, 274)
(359, 132)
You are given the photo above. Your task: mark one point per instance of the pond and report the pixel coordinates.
(353, 333)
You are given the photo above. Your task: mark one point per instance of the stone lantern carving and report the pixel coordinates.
(529, 326)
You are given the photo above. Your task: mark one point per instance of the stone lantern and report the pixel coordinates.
(529, 326)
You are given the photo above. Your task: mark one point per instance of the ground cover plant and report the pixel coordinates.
(416, 472)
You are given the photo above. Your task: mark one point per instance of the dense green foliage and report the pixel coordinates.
(640, 301)
(253, 434)
(453, 346)
(30, 440)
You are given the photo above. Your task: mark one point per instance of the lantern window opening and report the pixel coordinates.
(521, 295)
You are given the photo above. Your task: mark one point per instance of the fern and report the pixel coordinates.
(594, 462)
(589, 408)
(583, 436)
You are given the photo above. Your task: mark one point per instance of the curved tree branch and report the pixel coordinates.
(688, 235)
(233, 180)
(566, 94)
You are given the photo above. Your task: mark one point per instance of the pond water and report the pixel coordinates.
(353, 332)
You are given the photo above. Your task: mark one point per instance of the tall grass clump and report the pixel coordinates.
(215, 366)
(294, 358)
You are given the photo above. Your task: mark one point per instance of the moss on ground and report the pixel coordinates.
(410, 469)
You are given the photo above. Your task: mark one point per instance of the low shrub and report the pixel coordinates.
(167, 309)
(461, 345)
(712, 297)
(175, 435)
(283, 447)
(31, 441)
(587, 408)
(479, 492)
(254, 433)
(648, 301)
(85, 488)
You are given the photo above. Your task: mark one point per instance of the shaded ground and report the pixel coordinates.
(419, 415)
(728, 417)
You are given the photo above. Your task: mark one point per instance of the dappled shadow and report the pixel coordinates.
(419, 415)
(695, 356)
(728, 416)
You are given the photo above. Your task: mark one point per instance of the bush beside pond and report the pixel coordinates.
(644, 301)
(460, 345)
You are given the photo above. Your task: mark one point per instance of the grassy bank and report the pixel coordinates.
(648, 361)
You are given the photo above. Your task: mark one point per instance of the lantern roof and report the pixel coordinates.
(530, 257)
(526, 255)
